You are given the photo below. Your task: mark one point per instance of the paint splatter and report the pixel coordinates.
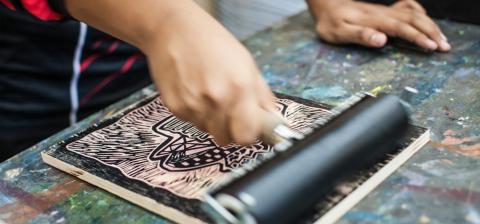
(473, 216)
(325, 92)
(468, 146)
(458, 194)
(375, 91)
(12, 174)
(359, 216)
(424, 219)
(414, 178)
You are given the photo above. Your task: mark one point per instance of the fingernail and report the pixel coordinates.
(445, 46)
(443, 37)
(378, 39)
(431, 45)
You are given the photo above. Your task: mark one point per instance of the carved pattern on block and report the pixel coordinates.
(151, 145)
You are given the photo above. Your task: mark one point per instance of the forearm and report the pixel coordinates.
(141, 22)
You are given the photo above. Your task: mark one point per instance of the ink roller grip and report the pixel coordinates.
(284, 187)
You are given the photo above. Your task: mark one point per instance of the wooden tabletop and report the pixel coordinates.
(440, 184)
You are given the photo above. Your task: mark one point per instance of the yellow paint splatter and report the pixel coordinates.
(375, 91)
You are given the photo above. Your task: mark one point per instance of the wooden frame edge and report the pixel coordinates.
(140, 200)
(340, 209)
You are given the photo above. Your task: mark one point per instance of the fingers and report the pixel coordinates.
(346, 33)
(369, 24)
(408, 32)
(245, 117)
(218, 126)
(216, 100)
(425, 25)
(412, 12)
(362, 35)
(417, 30)
(244, 120)
(265, 95)
(228, 114)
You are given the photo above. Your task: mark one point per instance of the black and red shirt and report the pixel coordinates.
(55, 71)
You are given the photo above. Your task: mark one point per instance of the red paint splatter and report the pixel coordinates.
(468, 146)
(28, 205)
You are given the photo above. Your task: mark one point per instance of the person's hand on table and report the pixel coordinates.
(204, 74)
(348, 21)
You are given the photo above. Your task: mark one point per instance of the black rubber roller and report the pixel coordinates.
(283, 188)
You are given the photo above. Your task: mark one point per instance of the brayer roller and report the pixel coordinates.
(302, 168)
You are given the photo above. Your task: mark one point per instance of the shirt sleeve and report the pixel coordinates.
(44, 10)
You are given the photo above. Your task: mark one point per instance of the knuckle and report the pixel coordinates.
(412, 18)
(416, 17)
(410, 3)
(238, 85)
(363, 34)
(397, 24)
(387, 25)
(215, 94)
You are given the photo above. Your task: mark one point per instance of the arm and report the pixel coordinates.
(348, 21)
(205, 75)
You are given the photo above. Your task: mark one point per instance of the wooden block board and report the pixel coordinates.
(149, 157)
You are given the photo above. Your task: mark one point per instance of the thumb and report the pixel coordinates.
(365, 36)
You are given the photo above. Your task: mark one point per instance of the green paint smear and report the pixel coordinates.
(98, 206)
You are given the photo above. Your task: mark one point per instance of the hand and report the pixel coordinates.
(204, 74)
(347, 21)
(208, 78)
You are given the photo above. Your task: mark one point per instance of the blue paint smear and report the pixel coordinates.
(325, 92)
(364, 217)
(4, 199)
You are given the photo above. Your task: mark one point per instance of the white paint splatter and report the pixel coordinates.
(414, 178)
(472, 216)
(12, 174)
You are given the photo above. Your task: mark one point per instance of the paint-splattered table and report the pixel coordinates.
(441, 184)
